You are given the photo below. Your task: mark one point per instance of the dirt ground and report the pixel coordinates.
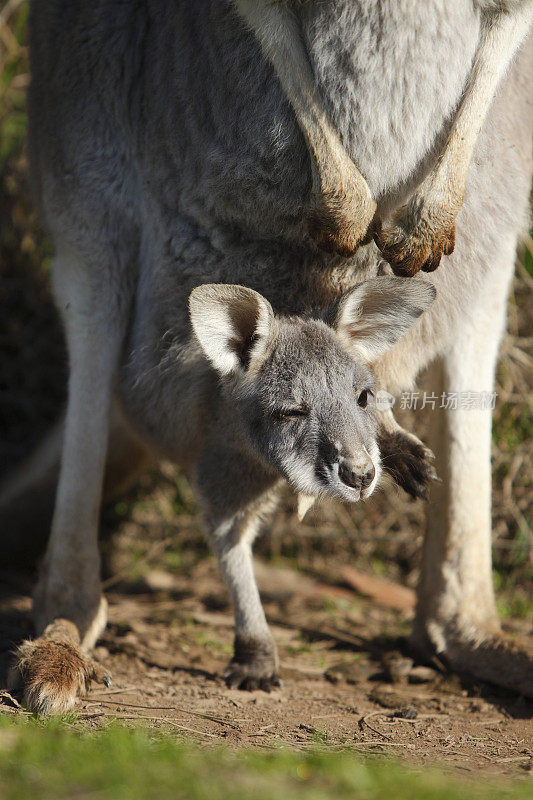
(348, 679)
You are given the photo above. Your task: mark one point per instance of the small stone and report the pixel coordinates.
(386, 698)
(422, 675)
(406, 713)
(397, 667)
(351, 672)
(479, 705)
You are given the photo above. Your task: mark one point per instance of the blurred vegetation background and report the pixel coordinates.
(384, 536)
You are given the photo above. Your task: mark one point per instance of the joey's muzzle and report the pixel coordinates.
(357, 473)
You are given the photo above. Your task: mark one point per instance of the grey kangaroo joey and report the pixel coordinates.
(285, 398)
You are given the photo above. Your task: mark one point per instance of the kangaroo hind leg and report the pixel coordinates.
(69, 609)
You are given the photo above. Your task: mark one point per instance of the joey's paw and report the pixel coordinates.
(340, 223)
(417, 240)
(52, 671)
(254, 666)
(248, 678)
(408, 461)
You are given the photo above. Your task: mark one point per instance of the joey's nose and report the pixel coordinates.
(357, 475)
(368, 477)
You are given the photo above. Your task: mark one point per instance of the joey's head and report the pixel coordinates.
(301, 389)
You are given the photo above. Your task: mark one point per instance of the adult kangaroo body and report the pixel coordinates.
(165, 155)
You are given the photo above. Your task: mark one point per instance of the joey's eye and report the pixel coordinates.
(362, 400)
(296, 412)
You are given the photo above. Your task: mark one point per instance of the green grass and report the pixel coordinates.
(513, 426)
(53, 760)
(514, 600)
(12, 99)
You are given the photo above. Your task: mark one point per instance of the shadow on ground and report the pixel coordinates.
(348, 678)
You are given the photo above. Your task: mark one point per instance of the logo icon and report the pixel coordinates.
(384, 400)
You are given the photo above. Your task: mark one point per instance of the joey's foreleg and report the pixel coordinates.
(423, 230)
(404, 457)
(233, 493)
(343, 213)
(255, 661)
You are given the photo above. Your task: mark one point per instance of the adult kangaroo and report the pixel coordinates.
(166, 155)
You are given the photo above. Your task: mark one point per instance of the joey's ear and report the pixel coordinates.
(373, 315)
(232, 323)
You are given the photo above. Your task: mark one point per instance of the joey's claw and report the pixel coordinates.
(408, 462)
(428, 453)
(266, 684)
(254, 666)
(237, 677)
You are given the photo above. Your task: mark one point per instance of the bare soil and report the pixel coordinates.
(349, 680)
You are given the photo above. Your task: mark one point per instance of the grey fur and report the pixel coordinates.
(295, 395)
(165, 156)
